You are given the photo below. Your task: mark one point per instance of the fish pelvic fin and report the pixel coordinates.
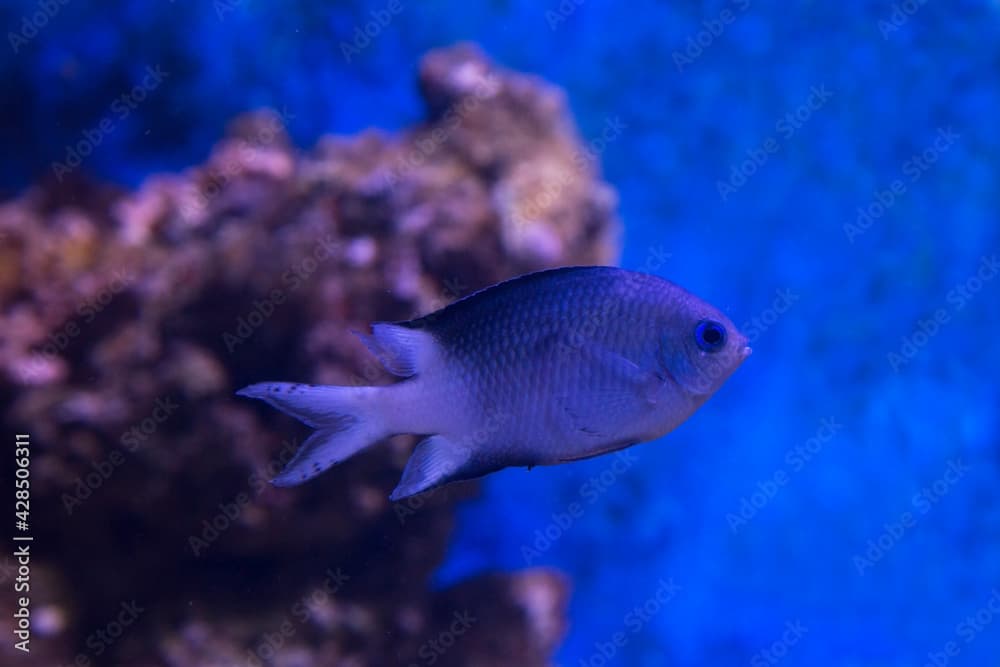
(347, 420)
(401, 350)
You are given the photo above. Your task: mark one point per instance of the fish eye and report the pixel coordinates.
(710, 335)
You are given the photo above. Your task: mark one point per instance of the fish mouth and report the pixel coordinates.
(745, 352)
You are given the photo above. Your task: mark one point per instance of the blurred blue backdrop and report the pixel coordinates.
(826, 173)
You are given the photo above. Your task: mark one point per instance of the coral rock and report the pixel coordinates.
(130, 318)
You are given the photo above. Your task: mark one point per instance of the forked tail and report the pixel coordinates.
(346, 419)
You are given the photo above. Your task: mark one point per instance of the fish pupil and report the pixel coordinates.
(710, 335)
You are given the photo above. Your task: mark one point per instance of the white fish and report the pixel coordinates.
(546, 368)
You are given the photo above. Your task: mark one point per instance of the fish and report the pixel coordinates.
(543, 369)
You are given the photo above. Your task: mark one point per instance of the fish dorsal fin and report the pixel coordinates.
(398, 348)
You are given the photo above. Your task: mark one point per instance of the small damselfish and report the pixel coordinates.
(550, 367)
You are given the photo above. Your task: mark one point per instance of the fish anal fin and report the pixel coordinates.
(435, 461)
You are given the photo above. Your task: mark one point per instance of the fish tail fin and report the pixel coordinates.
(346, 419)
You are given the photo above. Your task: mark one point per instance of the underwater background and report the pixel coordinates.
(827, 174)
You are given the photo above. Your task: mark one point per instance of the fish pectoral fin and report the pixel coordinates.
(435, 461)
(579, 422)
(622, 370)
(621, 392)
(604, 416)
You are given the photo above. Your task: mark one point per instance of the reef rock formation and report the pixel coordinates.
(128, 319)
